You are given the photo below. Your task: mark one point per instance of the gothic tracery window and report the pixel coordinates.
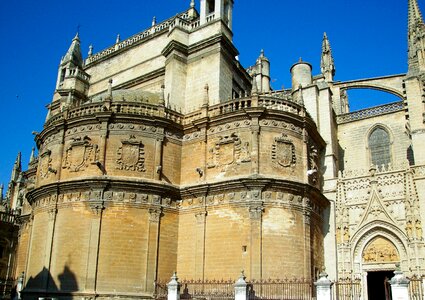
(380, 147)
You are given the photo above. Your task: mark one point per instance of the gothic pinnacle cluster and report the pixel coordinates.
(416, 39)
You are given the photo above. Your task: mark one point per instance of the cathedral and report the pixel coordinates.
(163, 154)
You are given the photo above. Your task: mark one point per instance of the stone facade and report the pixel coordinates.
(162, 153)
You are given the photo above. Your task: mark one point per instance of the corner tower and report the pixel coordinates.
(218, 9)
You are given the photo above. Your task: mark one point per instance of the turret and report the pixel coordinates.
(72, 81)
(301, 74)
(327, 62)
(416, 39)
(217, 9)
(263, 73)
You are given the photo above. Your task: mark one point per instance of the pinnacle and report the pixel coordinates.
(415, 15)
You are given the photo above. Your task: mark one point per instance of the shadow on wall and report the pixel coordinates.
(43, 284)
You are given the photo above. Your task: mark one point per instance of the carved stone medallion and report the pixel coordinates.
(80, 154)
(283, 151)
(131, 155)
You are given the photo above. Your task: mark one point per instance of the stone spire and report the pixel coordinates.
(74, 53)
(416, 38)
(32, 156)
(327, 62)
(17, 167)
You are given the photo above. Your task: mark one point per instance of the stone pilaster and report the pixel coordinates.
(152, 252)
(255, 215)
(201, 219)
(96, 208)
(52, 212)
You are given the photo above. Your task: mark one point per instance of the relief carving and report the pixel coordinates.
(45, 164)
(228, 150)
(380, 250)
(80, 154)
(283, 152)
(131, 155)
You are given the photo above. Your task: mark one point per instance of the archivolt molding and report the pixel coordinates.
(374, 229)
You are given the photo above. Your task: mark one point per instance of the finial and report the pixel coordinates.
(206, 95)
(110, 88)
(262, 53)
(254, 89)
(153, 21)
(32, 156)
(192, 3)
(90, 50)
(300, 60)
(162, 95)
(118, 39)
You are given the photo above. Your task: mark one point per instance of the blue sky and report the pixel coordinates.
(368, 38)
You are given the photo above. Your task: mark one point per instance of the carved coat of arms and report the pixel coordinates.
(131, 155)
(80, 154)
(228, 150)
(283, 151)
(45, 164)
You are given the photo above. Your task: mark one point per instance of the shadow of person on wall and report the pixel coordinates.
(43, 285)
(68, 280)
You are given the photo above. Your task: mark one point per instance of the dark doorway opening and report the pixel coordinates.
(378, 287)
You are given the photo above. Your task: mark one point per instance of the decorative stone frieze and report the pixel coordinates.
(230, 126)
(80, 154)
(282, 125)
(131, 155)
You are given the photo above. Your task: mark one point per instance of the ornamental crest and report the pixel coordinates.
(80, 154)
(228, 150)
(131, 155)
(283, 151)
(45, 164)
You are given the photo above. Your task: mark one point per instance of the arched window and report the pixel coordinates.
(380, 147)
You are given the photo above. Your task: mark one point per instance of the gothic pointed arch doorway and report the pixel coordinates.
(379, 259)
